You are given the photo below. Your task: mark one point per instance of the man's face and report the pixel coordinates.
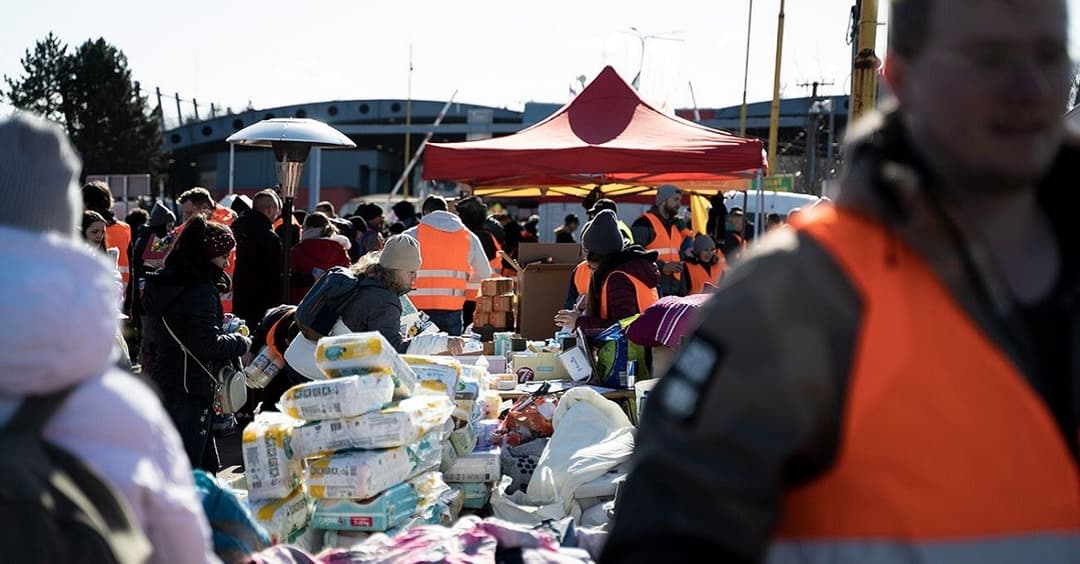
(985, 97)
(273, 212)
(706, 255)
(189, 209)
(738, 222)
(672, 204)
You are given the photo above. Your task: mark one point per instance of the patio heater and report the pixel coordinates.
(292, 140)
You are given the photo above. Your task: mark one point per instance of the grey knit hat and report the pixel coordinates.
(602, 235)
(703, 243)
(665, 191)
(400, 252)
(39, 175)
(160, 216)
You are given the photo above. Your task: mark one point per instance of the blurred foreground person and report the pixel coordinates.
(902, 383)
(60, 300)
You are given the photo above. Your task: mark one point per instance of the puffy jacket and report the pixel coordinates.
(853, 394)
(376, 308)
(58, 296)
(193, 311)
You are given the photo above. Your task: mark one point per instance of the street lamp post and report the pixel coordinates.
(292, 140)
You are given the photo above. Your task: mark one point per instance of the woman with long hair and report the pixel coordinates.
(183, 307)
(93, 229)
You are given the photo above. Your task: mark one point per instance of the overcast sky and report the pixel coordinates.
(501, 54)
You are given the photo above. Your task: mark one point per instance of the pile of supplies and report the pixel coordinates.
(496, 306)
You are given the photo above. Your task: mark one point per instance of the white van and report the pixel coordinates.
(778, 202)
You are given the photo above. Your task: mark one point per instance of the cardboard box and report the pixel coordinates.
(496, 286)
(538, 366)
(504, 303)
(496, 364)
(543, 286)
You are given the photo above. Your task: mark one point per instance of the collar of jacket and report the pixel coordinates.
(886, 181)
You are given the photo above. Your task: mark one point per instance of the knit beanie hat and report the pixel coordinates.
(665, 191)
(160, 216)
(703, 243)
(39, 173)
(219, 244)
(602, 235)
(401, 252)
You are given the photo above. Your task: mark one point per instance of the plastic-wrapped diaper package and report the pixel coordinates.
(464, 438)
(416, 497)
(475, 495)
(386, 510)
(435, 373)
(271, 468)
(364, 473)
(479, 466)
(360, 353)
(282, 518)
(341, 397)
(398, 424)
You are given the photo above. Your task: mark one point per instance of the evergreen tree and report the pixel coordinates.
(91, 93)
(41, 89)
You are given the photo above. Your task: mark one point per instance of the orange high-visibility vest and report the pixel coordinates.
(119, 235)
(947, 453)
(666, 242)
(582, 276)
(646, 296)
(442, 278)
(699, 276)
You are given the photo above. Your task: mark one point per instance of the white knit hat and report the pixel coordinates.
(400, 252)
(39, 174)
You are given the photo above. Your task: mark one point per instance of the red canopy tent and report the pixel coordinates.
(606, 135)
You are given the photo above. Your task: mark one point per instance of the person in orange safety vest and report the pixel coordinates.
(452, 258)
(896, 377)
(703, 270)
(660, 229)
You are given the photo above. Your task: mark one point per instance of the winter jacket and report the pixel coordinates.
(753, 418)
(622, 297)
(257, 278)
(194, 313)
(376, 308)
(322, 253)
(61, 307)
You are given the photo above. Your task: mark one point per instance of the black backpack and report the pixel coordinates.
(322, 305)
(53, 507)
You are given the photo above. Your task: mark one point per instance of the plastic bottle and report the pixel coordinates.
(263, 368)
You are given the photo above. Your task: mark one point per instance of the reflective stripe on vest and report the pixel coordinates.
(645, 295)
(119, 235)
(666, 242)
(699, 276)
(442, 280)
(582, 276)
(947, 453)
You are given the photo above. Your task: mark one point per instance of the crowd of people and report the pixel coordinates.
(890, 378)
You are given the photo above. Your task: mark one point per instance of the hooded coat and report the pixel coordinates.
(61, 298)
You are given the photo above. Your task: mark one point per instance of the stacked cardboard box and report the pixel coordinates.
(496, 306)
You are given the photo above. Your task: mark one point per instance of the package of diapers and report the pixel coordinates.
(398, 424)
(362, 353)
(341, 397)
(362, 474)
(438, 374)
(271, 469)
(283, 517)
(482, 465)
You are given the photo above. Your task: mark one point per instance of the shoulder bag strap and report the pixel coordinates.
(187, 352)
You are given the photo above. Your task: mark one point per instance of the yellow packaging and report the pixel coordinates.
(362, 353)
(271, 470)
(283, 517)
